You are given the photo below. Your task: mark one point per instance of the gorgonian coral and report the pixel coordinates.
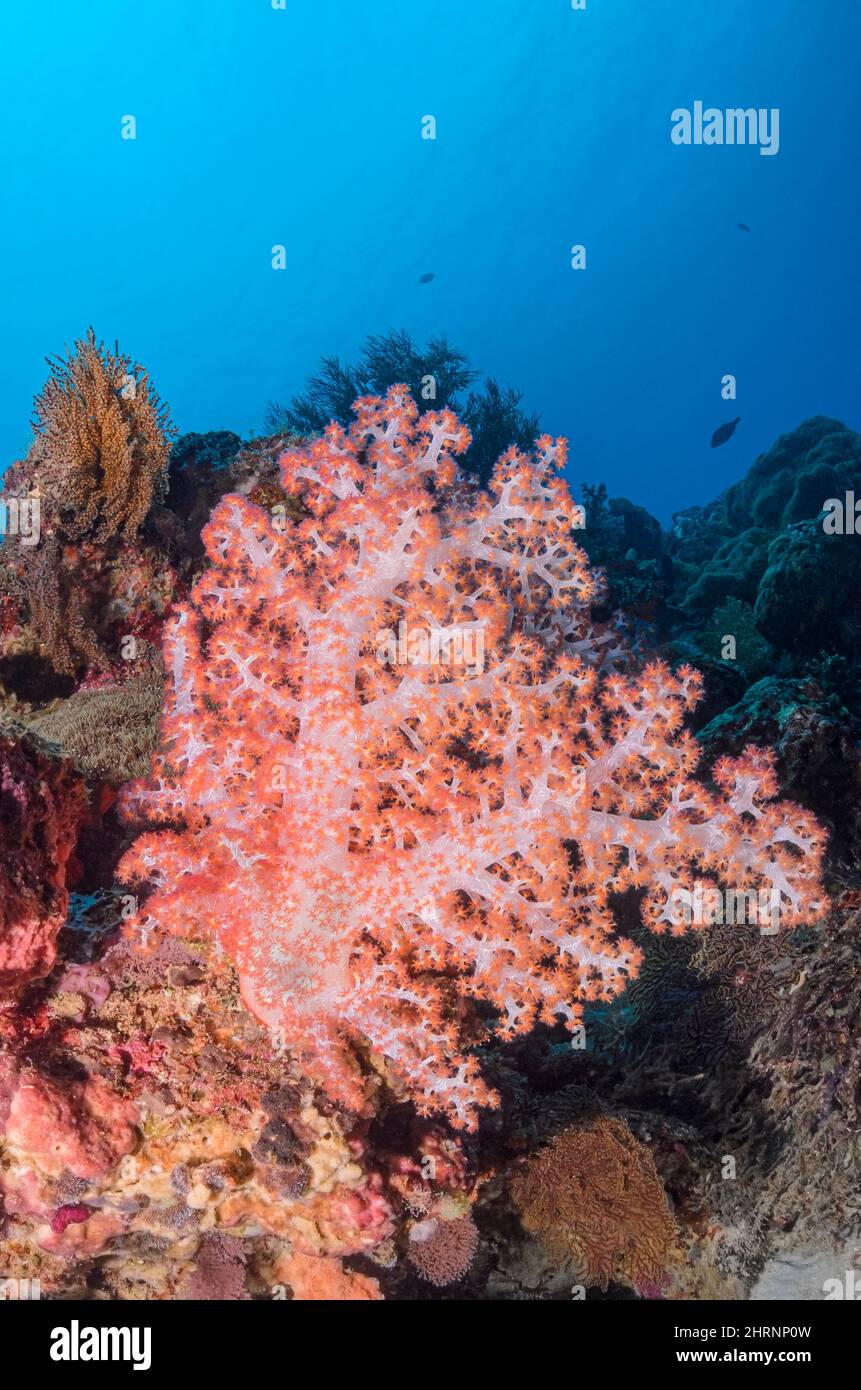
(594, 1196)
(398, 775)
(102, 441)
(98, 466)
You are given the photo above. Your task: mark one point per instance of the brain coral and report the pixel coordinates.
(398, 778)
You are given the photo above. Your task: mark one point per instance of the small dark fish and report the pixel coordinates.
(426, 279)
(725, 432)
(744, 227)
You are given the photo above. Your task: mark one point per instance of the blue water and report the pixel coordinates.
(258, 126)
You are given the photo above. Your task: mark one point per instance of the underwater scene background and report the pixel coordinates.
(302, 127)
(430, 700)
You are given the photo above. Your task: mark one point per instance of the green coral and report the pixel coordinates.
(808, 596)
(734, 618)
(722, 550)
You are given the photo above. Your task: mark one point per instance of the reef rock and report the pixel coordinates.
(815, 743)
(722, 550)
(42, 804)
(808, 597)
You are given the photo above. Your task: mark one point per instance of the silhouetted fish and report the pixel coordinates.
(725, 432)
(426, 279)
(744, 227)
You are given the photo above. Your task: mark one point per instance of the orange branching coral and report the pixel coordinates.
(386, 728)
(102, 442)
(594, 1196)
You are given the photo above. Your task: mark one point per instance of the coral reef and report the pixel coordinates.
(753, 588)
(391, 1001)
(162, 1149)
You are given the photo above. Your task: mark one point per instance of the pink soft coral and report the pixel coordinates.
(378, 821)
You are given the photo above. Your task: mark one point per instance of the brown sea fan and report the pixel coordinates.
(594, 1196)
(102, 441)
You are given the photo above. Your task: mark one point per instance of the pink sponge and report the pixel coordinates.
(82, 1126)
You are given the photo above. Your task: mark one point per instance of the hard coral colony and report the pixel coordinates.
(380, 844)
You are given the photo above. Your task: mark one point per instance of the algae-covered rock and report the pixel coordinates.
(197, 478)
(815, 739)
(640, 530)
(724, 682)
(722, 550)
(751, 655)
(808, 598)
